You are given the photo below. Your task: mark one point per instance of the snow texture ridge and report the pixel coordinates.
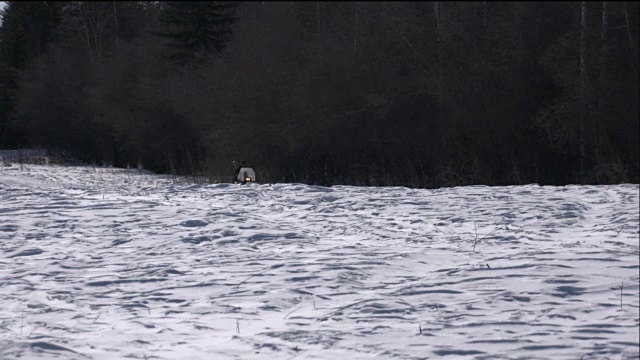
(103, 263)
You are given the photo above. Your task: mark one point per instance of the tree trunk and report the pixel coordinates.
(484, 26)
(584, 101)
(603, 52)
(317, 17)
(355, 27)
(632, 44)
(115, 17)
(601, 74)
(436, 10)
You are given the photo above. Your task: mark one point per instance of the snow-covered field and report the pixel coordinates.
(103, 263)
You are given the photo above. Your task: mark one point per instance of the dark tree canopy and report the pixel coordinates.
(194, 27)
(419, 94)
(26, 32)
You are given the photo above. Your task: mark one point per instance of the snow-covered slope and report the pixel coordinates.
(102, 263)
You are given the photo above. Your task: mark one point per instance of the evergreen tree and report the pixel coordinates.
(26, 31)
(197, 28)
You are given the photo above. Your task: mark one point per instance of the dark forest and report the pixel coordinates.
(416, 94)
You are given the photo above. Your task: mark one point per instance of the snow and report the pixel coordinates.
(105, 263)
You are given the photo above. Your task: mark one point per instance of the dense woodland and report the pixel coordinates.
(419, 94)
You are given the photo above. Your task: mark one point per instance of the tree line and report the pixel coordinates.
(418, 94)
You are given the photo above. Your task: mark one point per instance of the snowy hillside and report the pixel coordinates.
(102, 263)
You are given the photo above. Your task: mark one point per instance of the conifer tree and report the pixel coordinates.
(27, 29)
(196, 28)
